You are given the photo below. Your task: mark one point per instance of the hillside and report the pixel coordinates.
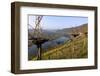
(82, 28)
(76, 48)
(58, 47)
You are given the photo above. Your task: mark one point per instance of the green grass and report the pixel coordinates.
(77, 48)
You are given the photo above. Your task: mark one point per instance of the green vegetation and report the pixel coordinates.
(75, 48)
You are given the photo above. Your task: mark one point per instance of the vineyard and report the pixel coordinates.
(75, 48)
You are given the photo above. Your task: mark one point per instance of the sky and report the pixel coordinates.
(58, 22)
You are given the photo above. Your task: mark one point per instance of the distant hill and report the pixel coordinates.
(82, 28)
(49, 34)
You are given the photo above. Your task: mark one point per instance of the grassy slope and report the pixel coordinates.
(77, 48)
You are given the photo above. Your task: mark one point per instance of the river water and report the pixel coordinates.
(33, 50)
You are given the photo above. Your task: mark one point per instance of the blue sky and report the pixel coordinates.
(58, 22)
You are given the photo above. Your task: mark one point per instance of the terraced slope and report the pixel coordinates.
(75, 48)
